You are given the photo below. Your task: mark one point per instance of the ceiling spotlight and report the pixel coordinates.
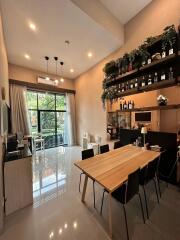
(71, 70)
(62, 79)
(75, 225)
(60, 231)
(89, 54)
(32, 26)
(65, 225)
(27, 56)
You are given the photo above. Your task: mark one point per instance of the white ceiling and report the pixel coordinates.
(124, 10)
(57, 21)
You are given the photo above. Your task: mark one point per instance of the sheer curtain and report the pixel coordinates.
(19, 111)
(70, 123)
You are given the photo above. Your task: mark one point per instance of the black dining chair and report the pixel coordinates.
(85, 155)
(126, 192)
(147, 174)
(117, 144)
(104, 148)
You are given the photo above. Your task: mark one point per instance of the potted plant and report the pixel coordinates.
(142, 54)
(162, 100)
(169, 37)
(125, 63)
(111, 69)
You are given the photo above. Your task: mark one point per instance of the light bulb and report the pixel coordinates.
(62, 79)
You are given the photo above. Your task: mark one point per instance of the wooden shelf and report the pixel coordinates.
(147, 88)
(152, 108)
(132, 74)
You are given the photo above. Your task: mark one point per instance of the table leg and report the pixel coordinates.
(110, 217)
(84, 189)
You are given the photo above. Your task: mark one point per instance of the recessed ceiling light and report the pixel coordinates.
(26, 56)
(90, 54)
(32, 26)
(62, 79)
(71, 70)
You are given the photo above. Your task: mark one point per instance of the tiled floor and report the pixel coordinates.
(58, 213)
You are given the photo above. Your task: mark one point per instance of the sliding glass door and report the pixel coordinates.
(47, 113)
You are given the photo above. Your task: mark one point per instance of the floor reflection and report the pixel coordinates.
(49, 175)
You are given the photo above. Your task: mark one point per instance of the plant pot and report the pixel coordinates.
(162, 103)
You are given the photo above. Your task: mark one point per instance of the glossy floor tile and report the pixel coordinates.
(57, 212)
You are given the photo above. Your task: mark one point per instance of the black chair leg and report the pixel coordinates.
(146, 202)
(156, 190)
(141, 207)
(94, 194)
(80, 182)
(102, 202)
(126, 221)
(158, 182)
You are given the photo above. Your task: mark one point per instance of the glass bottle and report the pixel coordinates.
(171, 74)
(163, 76)
(136, 83)
(143, 83)
(149, 80)
(155, 77)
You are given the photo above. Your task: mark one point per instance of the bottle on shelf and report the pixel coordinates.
(149, 80)
(125, 105)
(143, 83)
(136, 83)
(119, 88)
(163, 76)
(132, 84)
(171, 77)
(149, 60)
(127, 86)
(130, 106)
(121, 106)
(122, 87)
(155, 77)
(133, 104)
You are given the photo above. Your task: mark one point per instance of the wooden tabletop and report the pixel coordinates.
(111, 169)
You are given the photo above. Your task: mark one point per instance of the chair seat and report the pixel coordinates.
(119, 194)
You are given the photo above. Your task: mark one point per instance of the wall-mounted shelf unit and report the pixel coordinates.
(152, 108)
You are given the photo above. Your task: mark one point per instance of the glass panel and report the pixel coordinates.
(46, 101)
(32, 100)
(33, 121)
(60, 102)
(61, 138)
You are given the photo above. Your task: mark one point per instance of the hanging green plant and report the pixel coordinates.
(109, 94)
(150, 40)
(142, 54)
(111, 69)
(169, 37)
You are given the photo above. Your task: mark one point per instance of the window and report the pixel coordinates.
(47, 112)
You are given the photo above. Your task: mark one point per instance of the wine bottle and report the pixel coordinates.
(130, 105)
(133, 104)
(171, 74)
(143, 83)
(136, 83)
(163, 76)
(125, 105)
(155, 77)
(121, 106)
(149, 80)
(122, 89)
(132, 84)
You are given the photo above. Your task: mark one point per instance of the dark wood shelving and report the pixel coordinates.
(158, 62)
(152, 108)
(147, 88)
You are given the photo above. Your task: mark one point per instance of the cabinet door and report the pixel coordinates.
(18, 184)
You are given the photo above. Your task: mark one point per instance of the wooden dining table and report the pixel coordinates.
(111, 169)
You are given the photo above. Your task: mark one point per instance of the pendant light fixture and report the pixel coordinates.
(56, 81)
(47, 65)
(62, 79)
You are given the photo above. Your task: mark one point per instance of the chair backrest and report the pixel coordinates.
(87, 153)
(104, 148)
(117, 144)
(152, 169)
(132, 185)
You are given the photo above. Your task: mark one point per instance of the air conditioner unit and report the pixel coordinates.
(44, 80)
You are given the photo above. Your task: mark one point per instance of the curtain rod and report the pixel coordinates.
(42, 87)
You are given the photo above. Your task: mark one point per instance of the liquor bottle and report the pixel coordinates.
(149, 60)
(155, 77)
(163, 76)
(171, 74)
(136, 83)
(143, 83)
(127, 86)
(149, 80)
(121, 106)
(122, 89)
(125, 105)
(133, 104)
(130, 105)
(119, 88)
(132, 84)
